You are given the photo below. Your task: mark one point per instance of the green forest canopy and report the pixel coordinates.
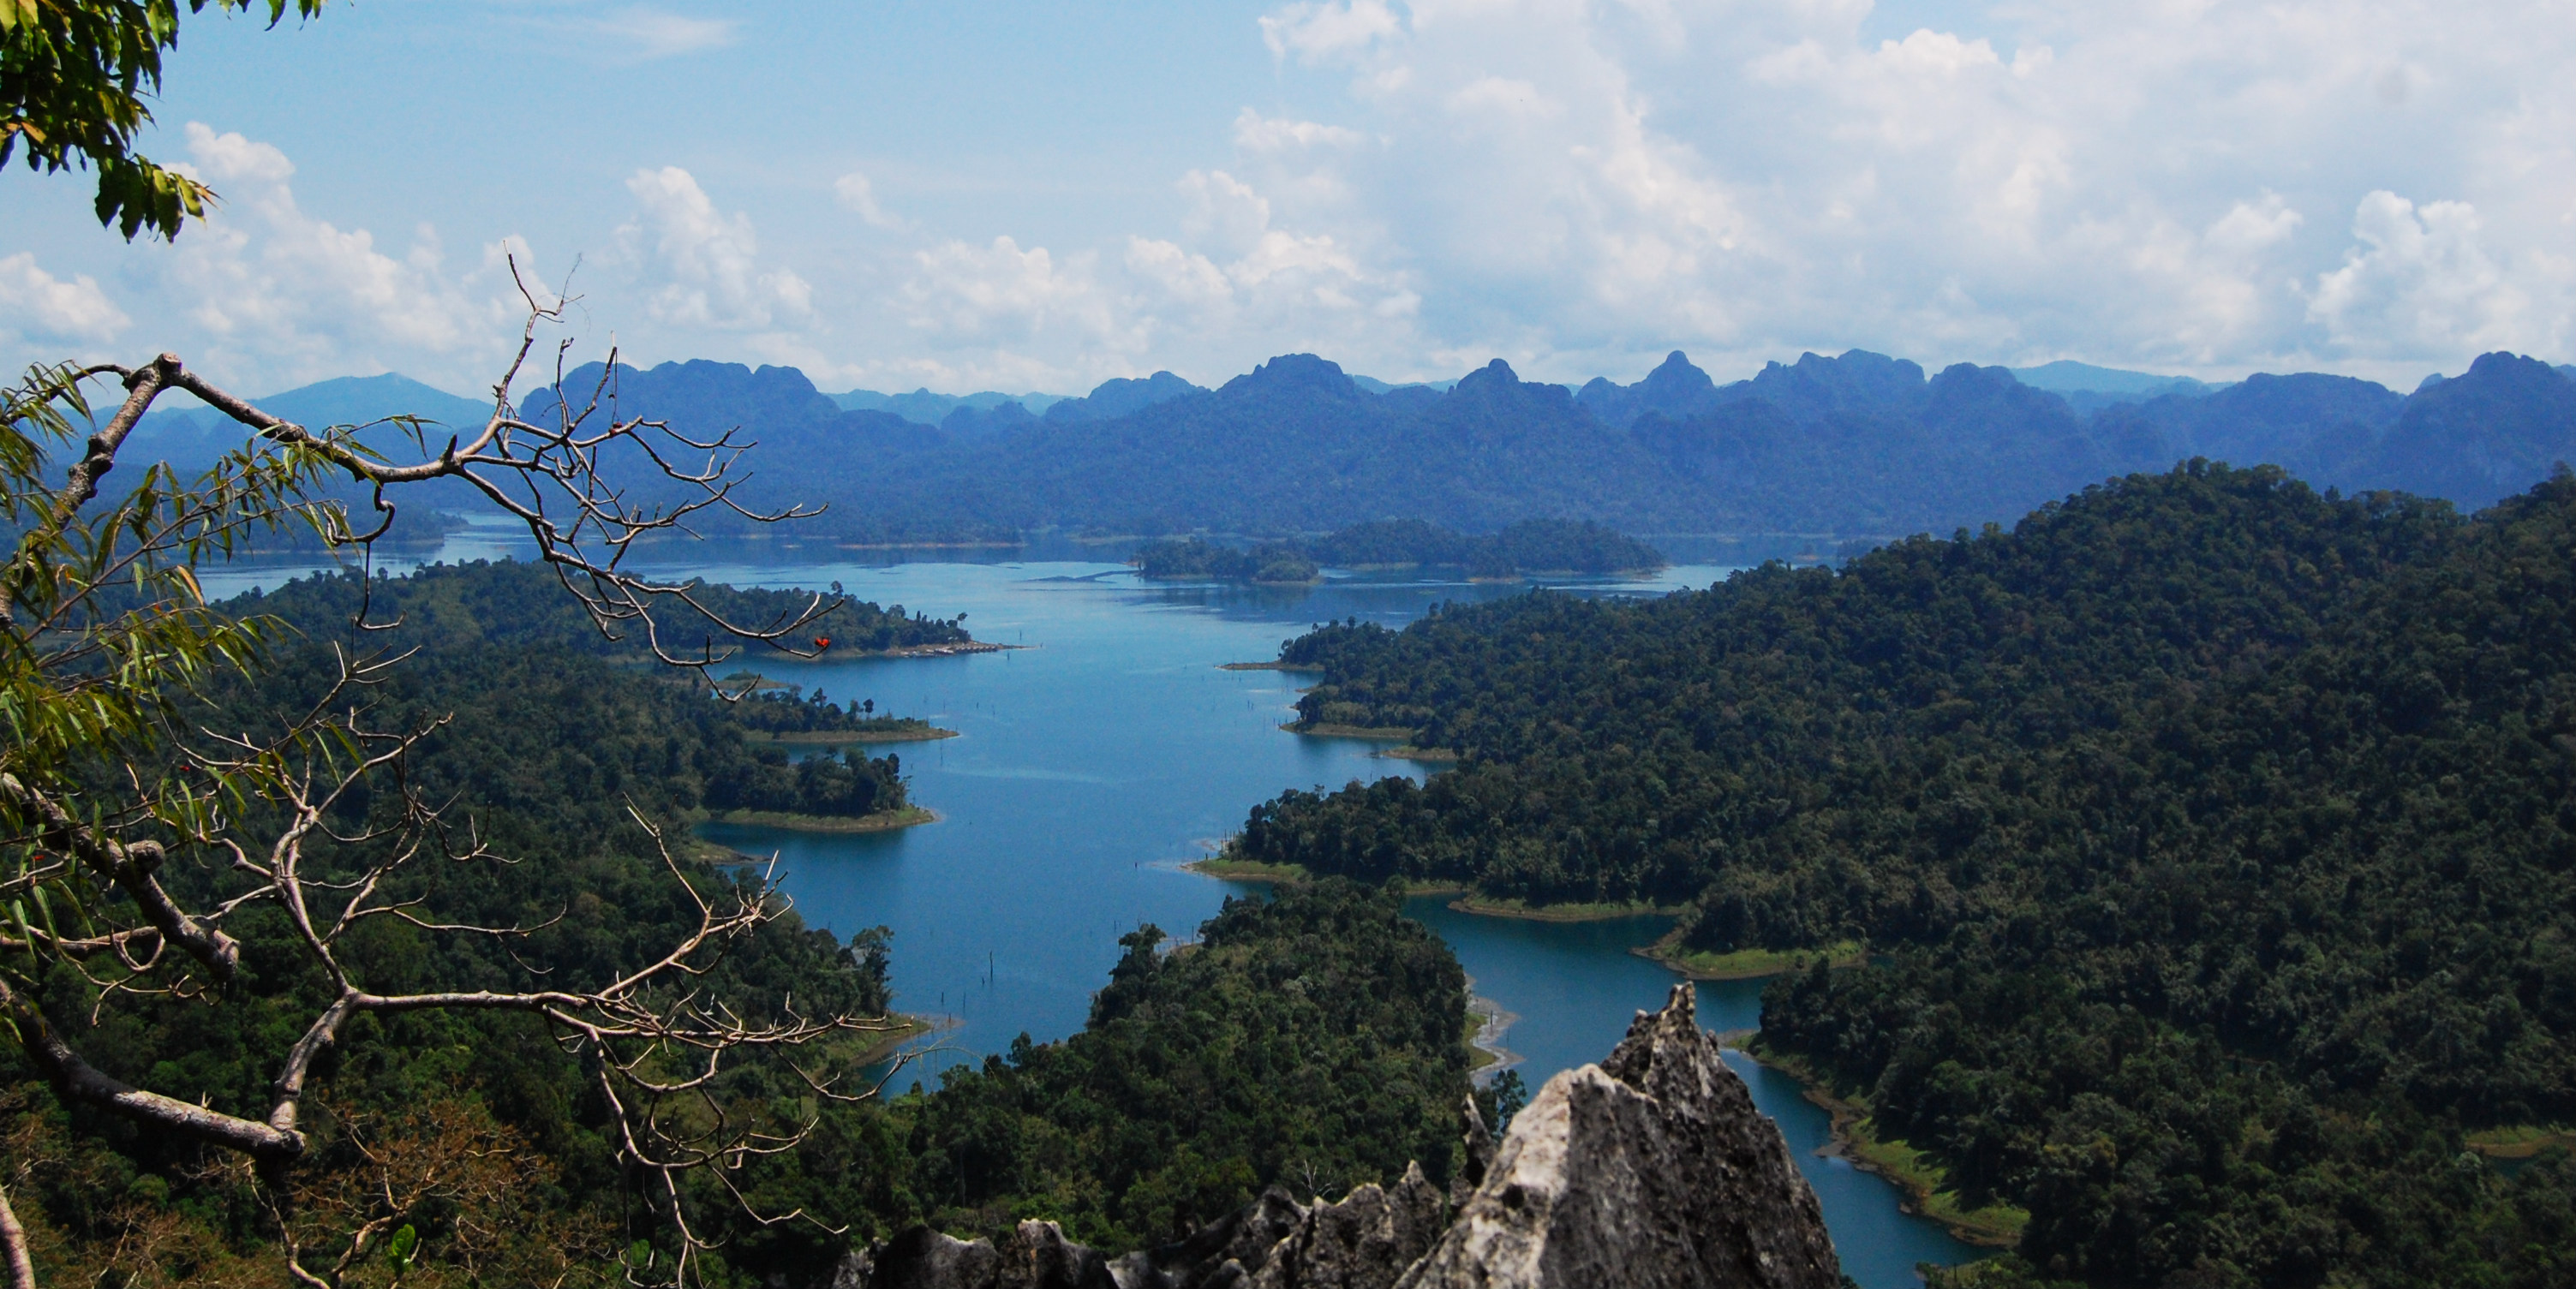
(2213, 837)
(1165, 1110)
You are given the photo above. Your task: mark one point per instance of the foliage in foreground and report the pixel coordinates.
(547, 744)
(2216, 841)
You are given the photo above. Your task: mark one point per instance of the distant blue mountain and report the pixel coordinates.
(1120, 397)
(925, 408)
(1373, 385)
(1857, 445)
(194, 436)
(2066, 376)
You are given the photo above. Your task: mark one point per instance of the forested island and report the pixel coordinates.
(849, 626)
(2210, 837)
(700, 755)
(1543, 546)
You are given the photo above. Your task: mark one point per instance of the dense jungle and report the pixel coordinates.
(2210, 840)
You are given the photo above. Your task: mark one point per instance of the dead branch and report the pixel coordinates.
(655, 1040)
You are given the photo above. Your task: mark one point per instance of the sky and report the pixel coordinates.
(966, 195)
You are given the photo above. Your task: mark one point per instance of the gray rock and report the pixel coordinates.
(1480, 1156)
(1651, 1170)
(922, 1258)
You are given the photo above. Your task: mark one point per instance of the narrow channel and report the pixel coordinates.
(1112, 749)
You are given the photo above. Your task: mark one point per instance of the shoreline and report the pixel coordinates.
(1261, 874)
(1917, 1186)
(1424, 755)
(1555, 912)
(1246, 870)
(1485, 1042)
(908, 1028)
(1895, 1163)
(881, 821)
(932, 650)
(1269, 666)
(835, 738)
(1372, 733)
(1746, 964)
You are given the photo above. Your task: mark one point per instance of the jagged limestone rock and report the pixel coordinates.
(1479, 1157)
(1365, 1241)
(1651, 1170)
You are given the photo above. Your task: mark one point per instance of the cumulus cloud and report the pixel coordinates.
(999, 291)
(2376, 186)
(2418, 282)
(709, 261)
(41, 307)
(273, 293)
(1580, 187)
(1254, 132)
(859, 197)
(1323, 29)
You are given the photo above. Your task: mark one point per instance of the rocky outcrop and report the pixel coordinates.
(1651, 1169)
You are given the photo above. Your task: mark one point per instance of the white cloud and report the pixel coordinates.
(998, 291)
(45, 308)
(1576, 186)
(2418, 283)
(858, 196)
(1225, 209)
(1254, 132)
(1322, 29)
(709, 261)
(1585, 186)
(1187, 277)
(275, 295)
(652, 34)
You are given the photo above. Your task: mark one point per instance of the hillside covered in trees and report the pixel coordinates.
(1314, 1038)
(2214, 840)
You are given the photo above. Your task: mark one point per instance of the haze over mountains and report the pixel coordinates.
(1856, 446)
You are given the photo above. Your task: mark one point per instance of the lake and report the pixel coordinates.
(1111, 750)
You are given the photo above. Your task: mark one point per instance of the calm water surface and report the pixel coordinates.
(1111, 750)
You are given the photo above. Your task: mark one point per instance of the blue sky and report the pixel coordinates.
(1026, 196)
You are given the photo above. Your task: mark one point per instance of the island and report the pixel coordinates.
(772, 711)
(1532, 547)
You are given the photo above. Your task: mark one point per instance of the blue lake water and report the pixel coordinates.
(1111, 750)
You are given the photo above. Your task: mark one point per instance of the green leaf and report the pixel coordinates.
(400, 1249)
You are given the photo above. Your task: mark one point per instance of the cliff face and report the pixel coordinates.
(1651, 1169)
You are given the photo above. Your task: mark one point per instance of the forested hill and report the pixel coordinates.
(1860, 445)
(2216, 841)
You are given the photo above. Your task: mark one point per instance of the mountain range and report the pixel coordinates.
(1860, 445)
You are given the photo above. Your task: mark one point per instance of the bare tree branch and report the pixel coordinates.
(14, 1256)
(654, 1038)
